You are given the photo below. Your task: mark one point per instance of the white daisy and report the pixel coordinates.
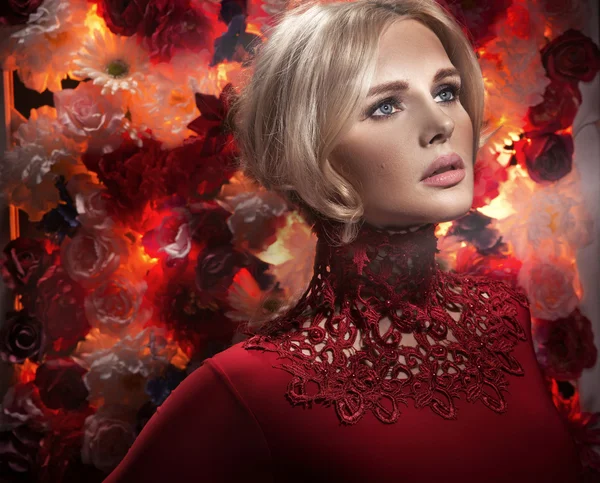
(112, 61)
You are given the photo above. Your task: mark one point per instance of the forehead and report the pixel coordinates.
(407, 46)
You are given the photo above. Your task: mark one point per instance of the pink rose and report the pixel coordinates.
(115, 304)
(549, 285)
(256, 218)
(108, 435)
(92, 256)
(85, 114)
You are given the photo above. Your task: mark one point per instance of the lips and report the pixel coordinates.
(444, 163)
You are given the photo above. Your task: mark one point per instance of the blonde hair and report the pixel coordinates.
(308, 82)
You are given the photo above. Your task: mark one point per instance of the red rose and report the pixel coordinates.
(196, 170)
(133, 177)
(195, 324)
(123, 18)
(547, 156)
(209, 224)
(256, 219)
(169, 25)
(470, 261)
(57, 302)
(59, 457)
(171, 239)
(571, 57)
(558, 109)
(565, 345)
(478, 17)
(16, 12)
(21, 337)
(60, 382)
(213, 112)
(216, 268)
(24, 260)
(488, 175)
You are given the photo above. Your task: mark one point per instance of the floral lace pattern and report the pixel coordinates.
(348, 334)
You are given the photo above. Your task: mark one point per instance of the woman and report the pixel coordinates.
(367, 115)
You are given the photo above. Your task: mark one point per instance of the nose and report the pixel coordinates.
(438, 126)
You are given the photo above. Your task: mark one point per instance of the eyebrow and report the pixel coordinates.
(402, 85)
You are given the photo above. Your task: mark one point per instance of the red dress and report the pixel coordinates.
(388, 369)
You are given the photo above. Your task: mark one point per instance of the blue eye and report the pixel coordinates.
(453, 89)
(390, 101)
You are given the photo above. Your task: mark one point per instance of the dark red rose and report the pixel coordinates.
(477, 17)
(59, 458)
(571, 57)
(133, 177)
(565, 345)
(195, 170)
(122, 17)
(499, 266)
(19, 445)
(582, 426)
(209, 224)
(171, 25)
(195, 322)
(547, 156)
(488, 175)
(256, 219)
(473, 228)
(60, 384)
(24, 259)
(216, 268)
(170, 239)
(557, 111)
(213, 112)
(57, 302)
(21, 337)
(16, 12)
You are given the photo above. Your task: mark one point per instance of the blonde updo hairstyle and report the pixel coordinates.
(305, 87)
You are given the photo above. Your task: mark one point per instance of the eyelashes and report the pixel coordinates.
(452, 87)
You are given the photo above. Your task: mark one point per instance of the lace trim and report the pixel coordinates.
(468, 355)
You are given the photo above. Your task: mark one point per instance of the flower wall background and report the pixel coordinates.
(151, 248)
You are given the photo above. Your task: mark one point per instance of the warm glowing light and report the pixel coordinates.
(26, 372)
(442, 228)
(514, 136)
(498, 208)
(148, 259)
(222, 73)
(93, 21)
(277, 253)
(253, 29)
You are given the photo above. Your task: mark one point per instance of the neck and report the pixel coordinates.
(392, 265)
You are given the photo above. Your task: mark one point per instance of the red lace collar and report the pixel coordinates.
(390, 265)
(363, 330)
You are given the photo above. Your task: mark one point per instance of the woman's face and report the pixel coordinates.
(400, 133)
